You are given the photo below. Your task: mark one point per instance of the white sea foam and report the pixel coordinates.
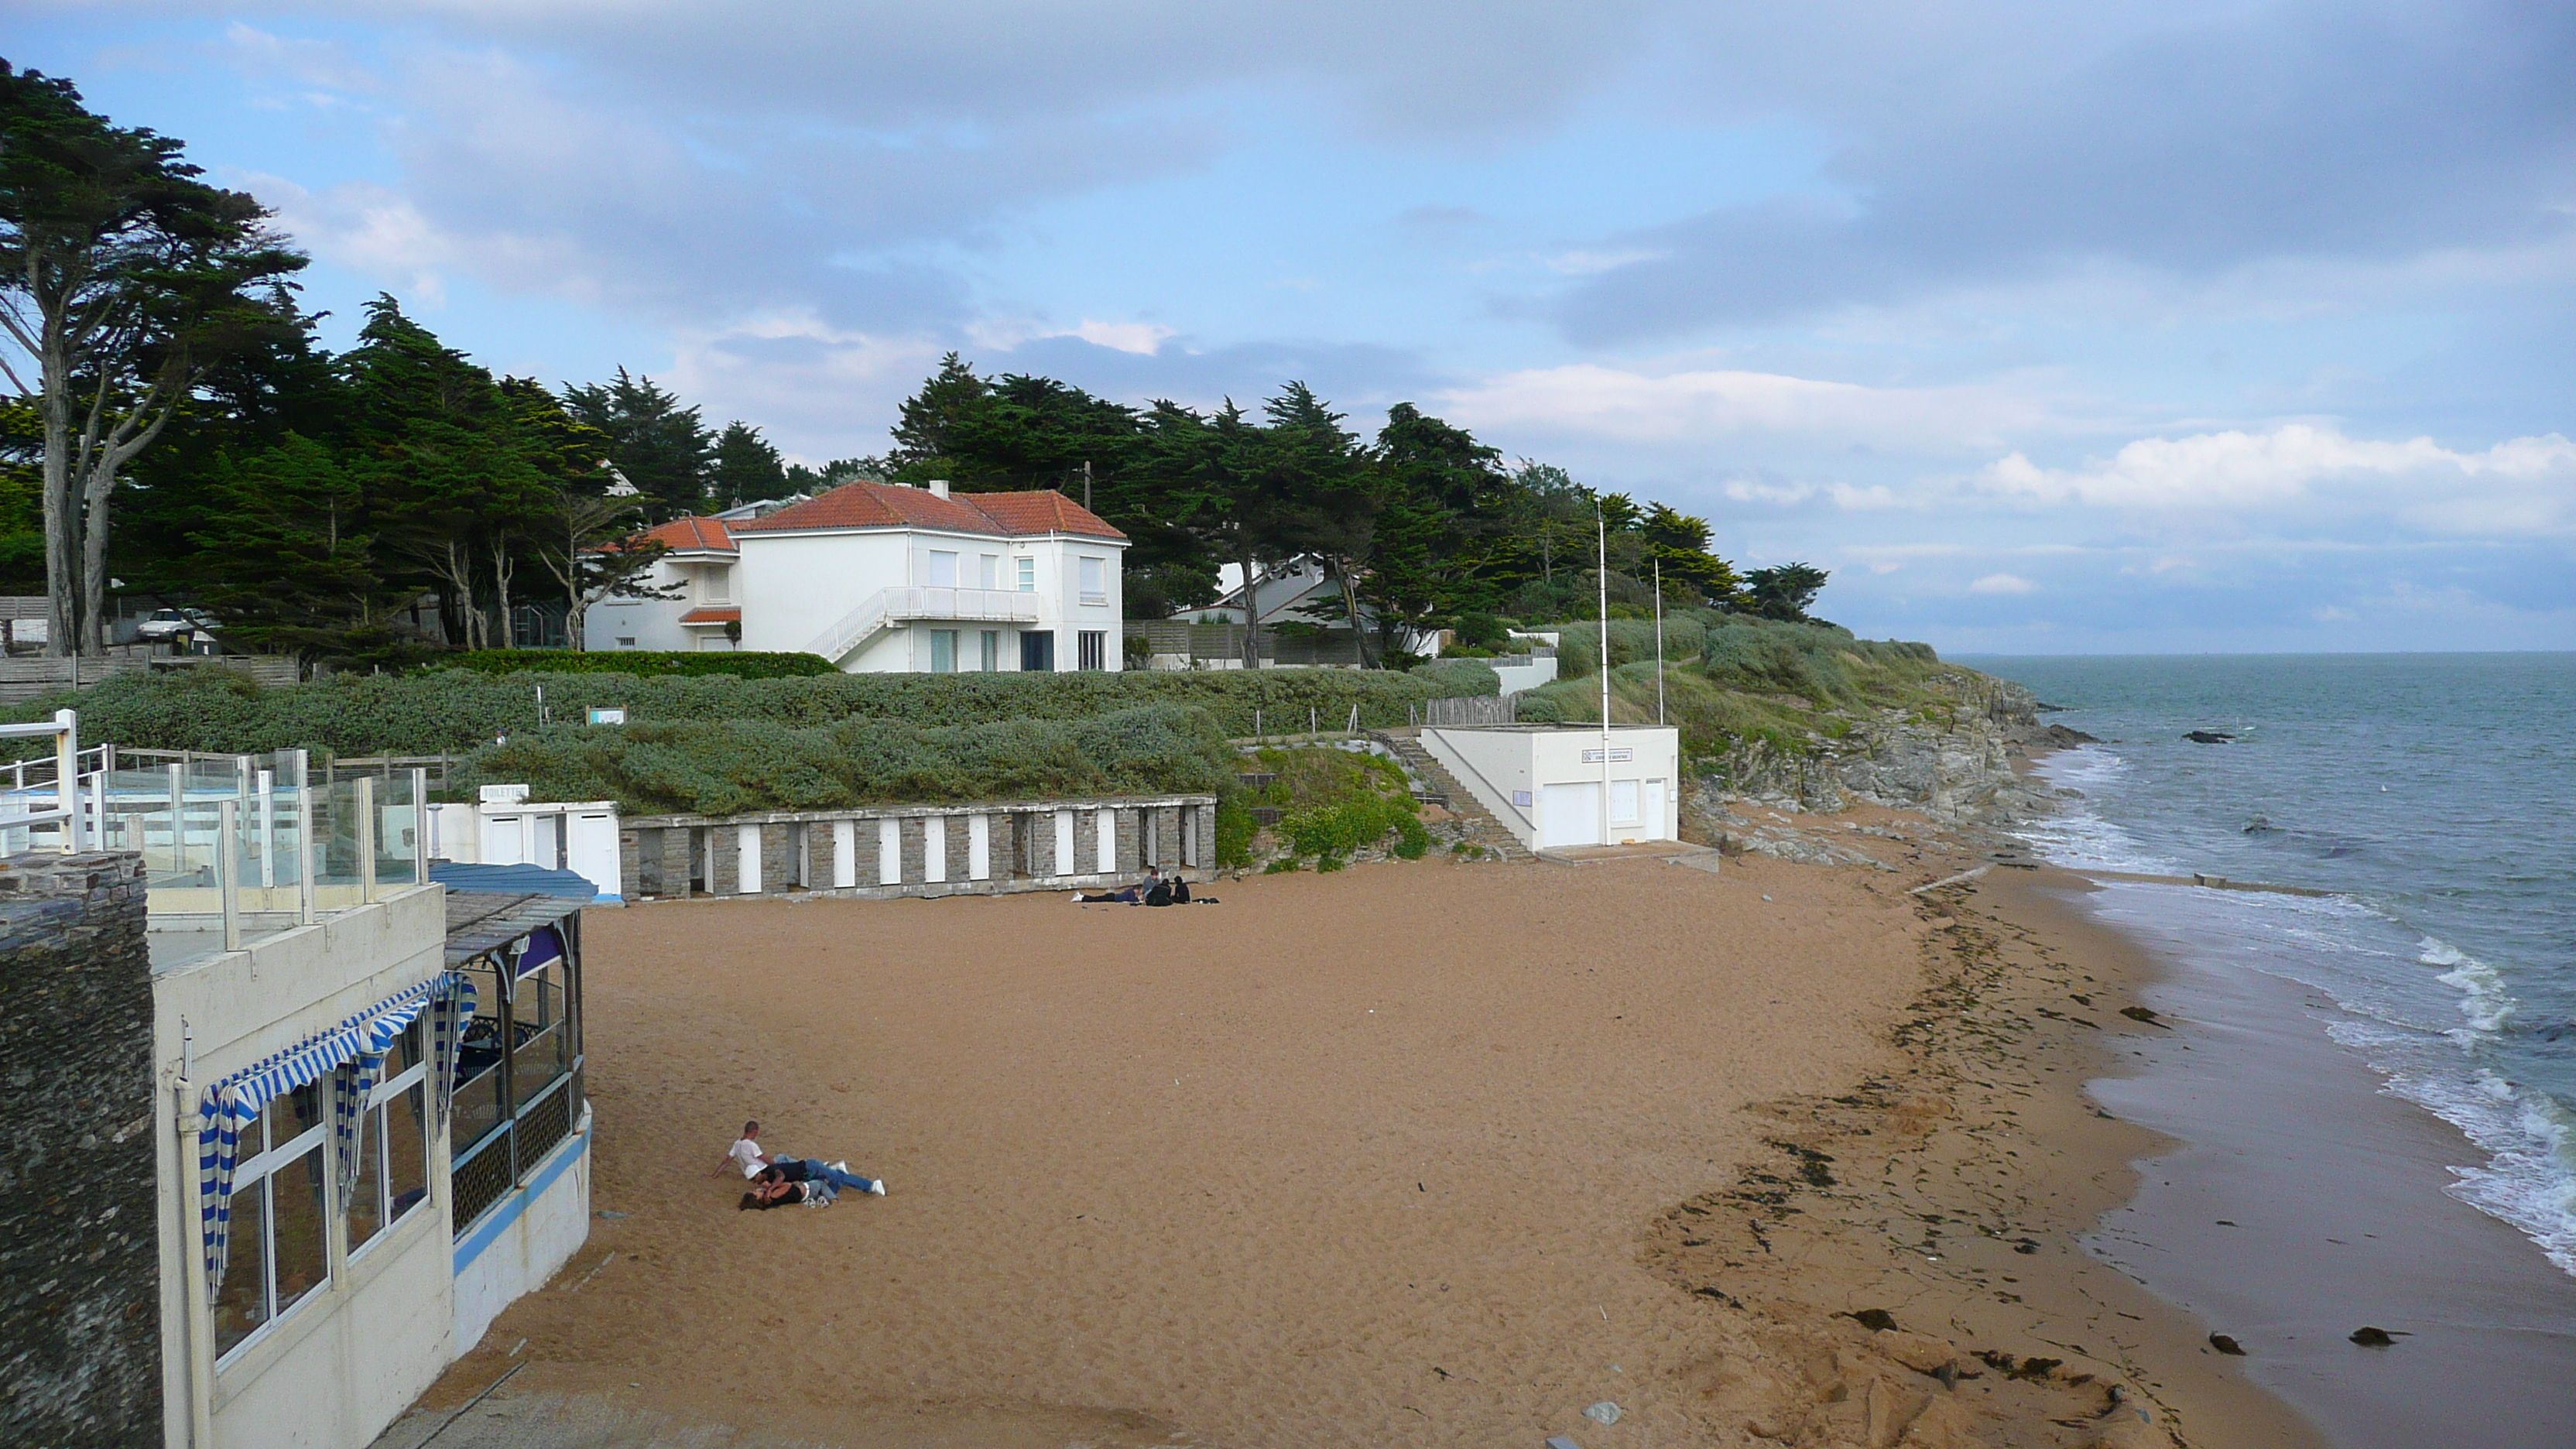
(2484, 998)
(2077, 834)
(2529, 1177)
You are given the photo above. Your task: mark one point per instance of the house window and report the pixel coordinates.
(943, 568)
(1028, 575)
(943, 651)
(1093, 648)
(393, 1157)
(992, 650)
(1095, 580)
(279, 1251)
(1037, 651)
(988, 571)
(719, 584)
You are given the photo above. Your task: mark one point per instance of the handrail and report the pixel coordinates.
(1506, 795)
(922, 601)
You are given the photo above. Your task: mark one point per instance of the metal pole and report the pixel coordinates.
(67, 775)
(1601, 575)
(227, 883)
(178, 818)
(420, 827)
(307, 855)
(367, 839)
(1659, 641)
(267, 829)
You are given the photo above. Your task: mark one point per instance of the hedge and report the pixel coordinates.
(660, 663)
(734, 767)
(455, 711)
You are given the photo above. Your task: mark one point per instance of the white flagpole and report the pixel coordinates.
(1601, 575)
(1659, 641)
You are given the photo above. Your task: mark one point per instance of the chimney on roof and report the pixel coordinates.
(938, 487)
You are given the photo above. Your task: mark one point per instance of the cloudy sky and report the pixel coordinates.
(2123, 327)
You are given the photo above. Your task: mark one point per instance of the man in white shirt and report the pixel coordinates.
(745, 1154)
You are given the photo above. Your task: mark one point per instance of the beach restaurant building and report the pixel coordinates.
(368, 1131)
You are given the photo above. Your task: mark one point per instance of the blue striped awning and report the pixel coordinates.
(355, 1050)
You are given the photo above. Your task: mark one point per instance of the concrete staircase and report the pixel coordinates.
(1481, 826)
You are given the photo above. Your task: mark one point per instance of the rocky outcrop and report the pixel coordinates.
(1954, 764)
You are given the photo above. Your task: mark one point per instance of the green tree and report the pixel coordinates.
(1679, 542)
(662, 448)
(747, 468)
(122, 278)
(282, 555)
(1784, 591)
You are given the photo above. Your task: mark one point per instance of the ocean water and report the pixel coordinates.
(2434, 795)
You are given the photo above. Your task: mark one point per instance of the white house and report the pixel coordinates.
(885, 578)
(697, 569)
(1563, 785)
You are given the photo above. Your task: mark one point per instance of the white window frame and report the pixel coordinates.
(1028, 575)
(991, 657)
(931, 565)
(949, 638)
(988, 571)
(255, 1175)
(1093, 578)
(1091, 650)
(376, 1143)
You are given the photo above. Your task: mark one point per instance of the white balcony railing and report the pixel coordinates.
(907, 603)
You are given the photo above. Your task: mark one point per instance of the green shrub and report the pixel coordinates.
(649, 662)
(1234, 827)
(454, 711)
(1453, 678)
(1482, 631)
(733, 767)
(1332, 832)
(1536, 708)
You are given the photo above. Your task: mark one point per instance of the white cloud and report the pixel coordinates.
(1619, 405)
(1142, 338)
(2523, 485)
(2002, 584)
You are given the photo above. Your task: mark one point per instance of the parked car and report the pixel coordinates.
(167, 624)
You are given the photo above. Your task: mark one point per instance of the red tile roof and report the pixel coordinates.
(712, 616)
(693, 535)
(888, 505)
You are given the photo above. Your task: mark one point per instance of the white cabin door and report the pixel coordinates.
(1569, 814)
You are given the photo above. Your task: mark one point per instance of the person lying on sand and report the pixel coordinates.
(1152, 891)
(766, 1195)
(814, 1169)
(745, 1153)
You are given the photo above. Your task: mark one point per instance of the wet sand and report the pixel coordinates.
(1410, 1153)
(2309, 1203)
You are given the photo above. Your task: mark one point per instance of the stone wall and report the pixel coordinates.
(80, 1325)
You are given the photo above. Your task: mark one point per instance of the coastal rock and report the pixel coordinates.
(2210, 737)
(1920, 1352)
(2227, 1345)
(1604, 1412)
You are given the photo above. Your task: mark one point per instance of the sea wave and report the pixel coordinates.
(2484, 998)
(2077, 834)
(2529, 1138)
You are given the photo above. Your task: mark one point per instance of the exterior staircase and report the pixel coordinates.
(1481, 826)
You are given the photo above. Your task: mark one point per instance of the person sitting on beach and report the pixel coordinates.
(745, 1153)
(814, 1169)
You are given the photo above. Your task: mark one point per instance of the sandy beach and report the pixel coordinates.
(1410, 1153)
